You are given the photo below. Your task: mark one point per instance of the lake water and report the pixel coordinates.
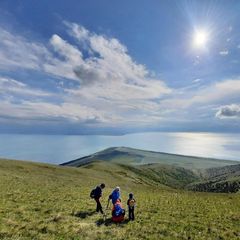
(61, 148)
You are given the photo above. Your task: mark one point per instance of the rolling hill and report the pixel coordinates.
(132, 156)
(177, 171)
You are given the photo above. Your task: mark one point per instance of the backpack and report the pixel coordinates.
(131, 203)
(92, 193)
(118, 212)
(118, 209)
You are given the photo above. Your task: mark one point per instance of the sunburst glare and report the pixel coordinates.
(200, 38)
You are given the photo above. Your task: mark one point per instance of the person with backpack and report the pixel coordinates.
(131, 205)
(97, 194)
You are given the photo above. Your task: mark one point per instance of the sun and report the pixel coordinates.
(200, 38)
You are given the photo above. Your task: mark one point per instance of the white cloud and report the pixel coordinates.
(111, 80)
(217, 92)
(224, 52)
(112, 84)
(113, 75)
(193, 104)
(229, 111)
(12, 86)
(197, 80)
(48, 111)
(17, 52)
(69, 52)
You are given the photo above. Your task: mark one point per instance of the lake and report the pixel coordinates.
(61, 148)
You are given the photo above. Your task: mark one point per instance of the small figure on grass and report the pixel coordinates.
(96, 193)
(131, 206)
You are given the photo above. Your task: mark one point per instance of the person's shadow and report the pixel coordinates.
(83, 214)
(108, 222)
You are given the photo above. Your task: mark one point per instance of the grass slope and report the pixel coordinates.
(137, 157)
(168, 175)
(40, 201)
(224, 179)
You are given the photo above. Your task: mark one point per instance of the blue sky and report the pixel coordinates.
(114, 67)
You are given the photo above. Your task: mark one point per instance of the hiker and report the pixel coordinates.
(118, 212)
(115, 195)
(131, 205)
(96, 194)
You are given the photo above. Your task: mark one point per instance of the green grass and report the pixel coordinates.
(224, 179)
(40, 201)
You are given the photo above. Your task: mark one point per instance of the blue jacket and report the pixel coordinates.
(114, 196)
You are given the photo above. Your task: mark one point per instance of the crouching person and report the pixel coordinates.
(118, 212)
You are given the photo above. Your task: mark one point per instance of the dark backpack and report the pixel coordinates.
(92, 193)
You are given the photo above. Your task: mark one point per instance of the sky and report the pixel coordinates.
(117, 67)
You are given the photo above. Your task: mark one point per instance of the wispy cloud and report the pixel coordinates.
(197, 80)
(224, 52)
(18, 52)
(12, 86)
(215, 93)
(45, 111)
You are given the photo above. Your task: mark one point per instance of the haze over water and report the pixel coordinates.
(61, 148)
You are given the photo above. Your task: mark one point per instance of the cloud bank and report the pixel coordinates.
(97, 83)
(111, 86)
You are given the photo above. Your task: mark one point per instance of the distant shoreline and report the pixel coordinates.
(57, 149)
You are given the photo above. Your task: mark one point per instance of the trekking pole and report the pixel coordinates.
(105, 212)
(107, 204)
(104, 216)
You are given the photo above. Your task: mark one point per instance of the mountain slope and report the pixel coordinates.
(138, 157)
(224, 179)
(177, 171)
(227, 171)
(171, 176)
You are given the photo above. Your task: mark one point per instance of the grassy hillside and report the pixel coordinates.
(227, 171)
(224, 179)
(194, 173)
(40, 201)
(137, 157)
(168, 175)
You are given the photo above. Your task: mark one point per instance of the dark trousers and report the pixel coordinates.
(131, 213)
(99, 206)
